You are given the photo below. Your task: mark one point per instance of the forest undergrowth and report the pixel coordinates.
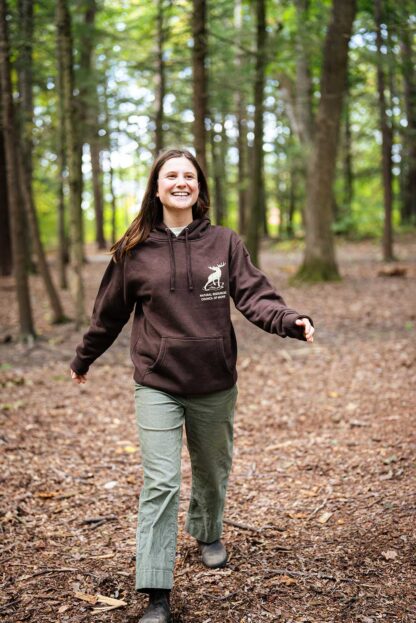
(320, 513)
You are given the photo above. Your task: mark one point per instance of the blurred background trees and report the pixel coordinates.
(302, 113)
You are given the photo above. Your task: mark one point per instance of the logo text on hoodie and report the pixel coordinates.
(214, 287)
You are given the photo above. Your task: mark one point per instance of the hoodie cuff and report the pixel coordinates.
(293, 330)
(78, 366)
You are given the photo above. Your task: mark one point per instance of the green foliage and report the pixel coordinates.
(124, 40)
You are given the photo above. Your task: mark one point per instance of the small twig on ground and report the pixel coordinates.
(95, 522)
(89, 520)
(11, 603)
(317, 509)
(244, 526)
(57, 570)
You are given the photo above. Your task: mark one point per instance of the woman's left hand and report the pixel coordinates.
(308, 329)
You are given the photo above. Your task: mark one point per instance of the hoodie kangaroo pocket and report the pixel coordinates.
(190, 365)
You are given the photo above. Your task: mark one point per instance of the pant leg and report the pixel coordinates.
(160, 420)
(209, 429)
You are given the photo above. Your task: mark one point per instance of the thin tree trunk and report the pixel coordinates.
(387, 141)
(258, 196)
(319, 263)
(218, 174)
(160, 78)
(27, 331)
(24, 112)
(409, 171)
(89, 111)
(241, 125)
(303, 102)
(200, 93)
(6, 264)
(24, 152)
(347, 160)
(113, 204)
(63, 23)
(61, 161)
(54, 301)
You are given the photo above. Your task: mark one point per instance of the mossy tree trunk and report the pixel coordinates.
(319, 263)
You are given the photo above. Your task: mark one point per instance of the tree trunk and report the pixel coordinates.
(5, 241)
(160, 78)
(319, 262)
(24, 112)
(27, 195)
(61, 162)
(387, 141)
(347, 159)
(63, 24)
(24, 153)
(409, 167)
(241, 125)
(303, 102)
(89, 112)
(27, 331)
(257, 183)
(200, 94)
(218, 175)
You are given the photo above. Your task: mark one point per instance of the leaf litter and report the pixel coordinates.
(319, 520)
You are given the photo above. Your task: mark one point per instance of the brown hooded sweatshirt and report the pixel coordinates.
(182, 338)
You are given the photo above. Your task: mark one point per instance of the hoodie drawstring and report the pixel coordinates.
(188, 261)
(173, 263)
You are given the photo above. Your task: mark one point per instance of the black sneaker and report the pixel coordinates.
(214, 555)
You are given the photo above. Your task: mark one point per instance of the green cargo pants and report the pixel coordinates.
(208, 422)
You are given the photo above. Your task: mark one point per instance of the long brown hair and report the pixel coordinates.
(151, 211)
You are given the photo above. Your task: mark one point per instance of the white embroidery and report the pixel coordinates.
(214, 279)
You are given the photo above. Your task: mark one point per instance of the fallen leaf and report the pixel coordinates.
(390, 554)
(325, 517)
(285, 579)
(63, 609)
(333, 394)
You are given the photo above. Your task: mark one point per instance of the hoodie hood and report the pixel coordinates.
(195, 230)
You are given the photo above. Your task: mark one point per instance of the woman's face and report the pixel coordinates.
(177, 186)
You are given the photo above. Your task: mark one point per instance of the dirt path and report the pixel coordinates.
(321, 508)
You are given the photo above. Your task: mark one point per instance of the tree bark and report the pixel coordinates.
(27, 195)
(63, 24)
(347, 159)
(319, 263)
(26, 326)
(387, 140)
(6, 264)
(200, 93)
(24, 154)
(160, 78)
(242, 182)
(303, 100)
(409, 169)
(218, 175)
(89, 112)
(61, 164)
(258, 196)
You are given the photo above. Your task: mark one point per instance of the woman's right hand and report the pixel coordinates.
(78, 378)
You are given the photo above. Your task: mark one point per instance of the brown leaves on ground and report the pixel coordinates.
(320, 511)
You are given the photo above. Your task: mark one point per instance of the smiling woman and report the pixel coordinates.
(178, 191)
(178, 273)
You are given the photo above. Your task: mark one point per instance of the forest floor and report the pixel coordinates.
(320, 515)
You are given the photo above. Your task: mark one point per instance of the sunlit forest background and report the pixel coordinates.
(302, 113)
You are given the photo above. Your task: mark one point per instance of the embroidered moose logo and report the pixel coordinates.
(214, 278)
